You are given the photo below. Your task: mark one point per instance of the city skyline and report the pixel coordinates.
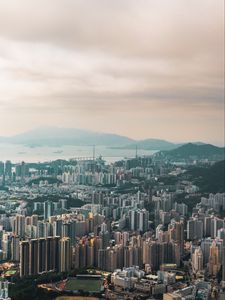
(139, 69)
(112, 149)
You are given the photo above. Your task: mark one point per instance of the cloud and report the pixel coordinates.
(123, 27)
(100, 60)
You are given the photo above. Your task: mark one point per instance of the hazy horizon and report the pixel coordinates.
(113, 133)
(141, 69)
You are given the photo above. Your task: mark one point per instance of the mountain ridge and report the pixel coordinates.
(57, 136)
(195, 151)
(210, 179)
(53, 136)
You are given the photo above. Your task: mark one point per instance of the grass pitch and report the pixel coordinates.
(86, 285)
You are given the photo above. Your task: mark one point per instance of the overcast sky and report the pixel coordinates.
(152, 68)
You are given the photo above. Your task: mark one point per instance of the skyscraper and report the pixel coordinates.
(48, 209)
(24, 258)
(197, 260)
(52, 253)
(20, 225)
(214, 261)
(65, 255)
(194, 229)
(41, 255)
(8, 168)
(1, 168)
(223, 264)
(33, 257)
(15, 248)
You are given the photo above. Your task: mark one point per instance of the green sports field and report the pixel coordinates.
(87, 285)
(10, 272)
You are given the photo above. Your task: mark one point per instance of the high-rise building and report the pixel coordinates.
(63, 203)
(34, 220)
(97, 246)
(2, 168)
(4, 290)
(22, 170)
(15, 248)
(214, 260)
(48, 209)
(102, 262)
(52, 253)
(33, 257)
(6, 246)
(176, 232)
(125, 238)
(156, 253)
(57, 228)
(194, 229)
(65, 258)
(40, 255)
(8, 168)
(197, 260)
(138, 220)
(223, 264)
(24, 258)
(104, 234)
(20, 225)
(40, 229)
(207, 226)
(90, 253)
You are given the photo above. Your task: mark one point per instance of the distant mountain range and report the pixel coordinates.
(65, 136)
(53, 136)
(150, 144)
(194, 151)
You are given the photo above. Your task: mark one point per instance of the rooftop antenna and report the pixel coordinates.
(92, 201)
(93, 152)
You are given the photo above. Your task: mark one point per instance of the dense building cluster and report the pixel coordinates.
(119, 218)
